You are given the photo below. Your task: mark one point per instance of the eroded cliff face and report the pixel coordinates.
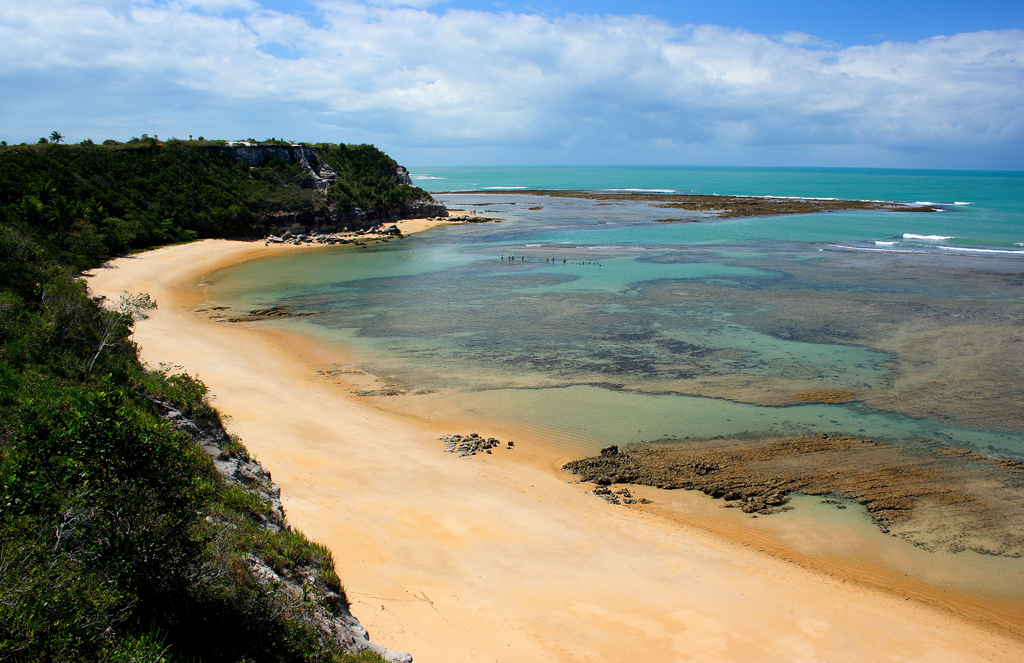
(328, 217)
(257, 156)
(403, 176)
(300, 591)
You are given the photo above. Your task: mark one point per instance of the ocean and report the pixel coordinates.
(611, 328)
(586, 323)
(987, 206)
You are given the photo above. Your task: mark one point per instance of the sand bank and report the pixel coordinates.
(500, 557)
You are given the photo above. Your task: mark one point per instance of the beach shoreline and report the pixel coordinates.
(503, 557)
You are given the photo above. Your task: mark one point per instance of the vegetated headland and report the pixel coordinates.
(722, 206)
(88, 203)
(132, 527)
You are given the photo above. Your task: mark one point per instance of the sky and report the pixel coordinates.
(476, 82)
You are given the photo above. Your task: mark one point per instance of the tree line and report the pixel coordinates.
(119, 540)
(90, 202)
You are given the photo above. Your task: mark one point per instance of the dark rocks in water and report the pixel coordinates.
(469, 218)
(387, 391)
(610, 451)
(263, 314)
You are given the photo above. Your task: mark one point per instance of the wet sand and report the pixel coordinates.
(502, 557)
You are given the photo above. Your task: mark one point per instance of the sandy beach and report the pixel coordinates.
(503, 557)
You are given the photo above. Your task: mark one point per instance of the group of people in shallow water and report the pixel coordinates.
(552, 260)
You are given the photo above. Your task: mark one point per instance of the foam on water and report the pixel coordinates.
(927, 238)
(889, 248)
(803, 198)
(964, 249)
(641, 190)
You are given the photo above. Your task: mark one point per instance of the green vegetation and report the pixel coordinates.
(119, 539)
(87, 202)
(365, 180)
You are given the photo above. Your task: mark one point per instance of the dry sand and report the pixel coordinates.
(498, 557)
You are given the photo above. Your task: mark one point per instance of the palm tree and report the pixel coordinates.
(56, 136)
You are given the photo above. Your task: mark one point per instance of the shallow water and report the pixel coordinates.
(983, 209)
(610, 328)
(644, 321)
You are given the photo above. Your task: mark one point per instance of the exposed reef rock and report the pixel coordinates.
(266, 313)
(469, 445)
(358, 237)
(470, 218)
(723, 206)
(325, 609)
(934, 497)
(825, 396)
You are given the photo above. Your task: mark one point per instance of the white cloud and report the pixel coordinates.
(418, 4)
(578, 87)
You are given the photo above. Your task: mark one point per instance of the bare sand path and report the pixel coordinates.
(497, 557)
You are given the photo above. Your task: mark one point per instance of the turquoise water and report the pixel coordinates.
(989, 215)
(609, 327)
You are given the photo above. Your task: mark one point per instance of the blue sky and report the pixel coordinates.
(466, 82)
(847, 23)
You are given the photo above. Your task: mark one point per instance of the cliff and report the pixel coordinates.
(258, 156)
(324, 606)
(321, 177)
